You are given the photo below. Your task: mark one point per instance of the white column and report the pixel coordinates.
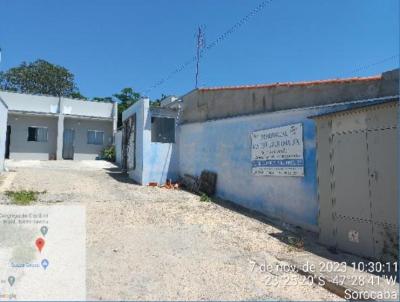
(60, 136)
(115, 119)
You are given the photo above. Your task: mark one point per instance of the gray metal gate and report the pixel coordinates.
(357, 180)
(350, 194)
(363, 191)
(68, 143)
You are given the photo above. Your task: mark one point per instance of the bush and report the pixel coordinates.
(109, 153)
(205, 198)
(23, 198)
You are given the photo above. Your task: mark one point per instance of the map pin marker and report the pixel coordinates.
(40, 244)
(44, 230)
(45, 263)
(11, 280)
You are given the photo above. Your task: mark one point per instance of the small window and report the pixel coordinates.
(95, 137)
(37, 134)
(162, 130)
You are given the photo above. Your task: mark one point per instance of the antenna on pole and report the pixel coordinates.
(200, 44)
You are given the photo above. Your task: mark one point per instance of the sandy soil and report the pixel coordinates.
(148, 243)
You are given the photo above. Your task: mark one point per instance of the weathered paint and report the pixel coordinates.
(155, 162)
(224, 146)
(3, 132)
(223, 102)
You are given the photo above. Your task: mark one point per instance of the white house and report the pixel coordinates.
(47, 127)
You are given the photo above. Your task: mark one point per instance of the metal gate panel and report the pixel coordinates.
(386, 242)
(355, 237)
(382, 150)
(350, 175)
(384, 117)
(351, 200)
(342, 123)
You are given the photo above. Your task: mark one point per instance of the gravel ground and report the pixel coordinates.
(147, 243)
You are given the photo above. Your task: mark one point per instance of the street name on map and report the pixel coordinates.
(278, 151)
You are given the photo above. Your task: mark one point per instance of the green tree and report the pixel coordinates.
(157, 102)
(39, 77)
(106, 99)
(77, 95)
(126, 98)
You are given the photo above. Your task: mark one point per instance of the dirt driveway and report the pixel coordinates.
(148, 243)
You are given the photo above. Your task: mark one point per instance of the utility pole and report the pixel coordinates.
(200, 44)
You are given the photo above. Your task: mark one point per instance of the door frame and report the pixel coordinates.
(8, 142)
(73, 143)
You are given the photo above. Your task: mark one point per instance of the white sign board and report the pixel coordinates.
(278, 151)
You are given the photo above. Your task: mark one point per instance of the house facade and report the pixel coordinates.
(49, 128)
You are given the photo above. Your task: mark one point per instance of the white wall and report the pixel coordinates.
(83, 150)
(51, 104)
(155, 162)
(21, 148)
(87, 108)
(3, 132)
(29, 102)
(118, 147)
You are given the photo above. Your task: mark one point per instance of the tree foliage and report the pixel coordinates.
(106, 99)
(126, 98)
(39, 77)
(77, 95)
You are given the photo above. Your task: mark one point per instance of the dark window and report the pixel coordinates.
(95, 137)
(162, 130)
(37, 134)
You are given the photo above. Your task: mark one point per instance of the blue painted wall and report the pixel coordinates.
(160, 160)
(224, 146)
(155, 162)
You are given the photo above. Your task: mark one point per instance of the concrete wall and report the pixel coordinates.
(83, 150)
(3, 132)
(87, 108)
(155, 162)
(224, 146)
(161, 160)
(138, 108)
(207, 104)
(51, 104)
(21, 148)
(118, 147)
(30, 103)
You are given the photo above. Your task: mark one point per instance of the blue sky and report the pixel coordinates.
(111, 44)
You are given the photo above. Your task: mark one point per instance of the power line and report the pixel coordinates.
(361, 68)
(216, 42)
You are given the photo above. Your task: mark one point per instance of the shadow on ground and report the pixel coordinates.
(298, 238)
(120, 176)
